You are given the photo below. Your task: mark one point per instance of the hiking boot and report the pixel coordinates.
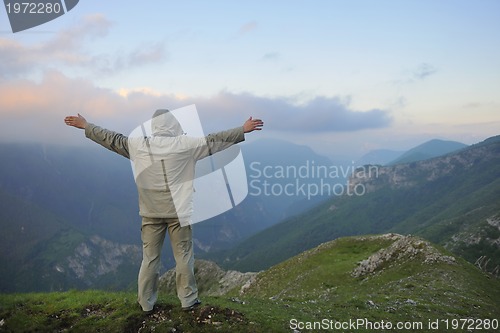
(196, 303)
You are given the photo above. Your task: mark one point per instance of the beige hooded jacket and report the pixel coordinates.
(164, 164)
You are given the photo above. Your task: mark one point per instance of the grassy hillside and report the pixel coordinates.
(31, 241)
(447, 200)
(386, 278)
(40, 251)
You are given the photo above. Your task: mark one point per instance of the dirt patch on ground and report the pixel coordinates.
(202, 319)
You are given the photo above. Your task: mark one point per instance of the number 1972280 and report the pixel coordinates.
(33, 8)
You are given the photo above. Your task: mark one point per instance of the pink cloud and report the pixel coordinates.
(42, 106)
(67, 48)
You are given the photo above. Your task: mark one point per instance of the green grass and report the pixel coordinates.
(316, 286)
(99, 311)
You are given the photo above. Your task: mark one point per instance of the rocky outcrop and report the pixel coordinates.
(484, 235)
(404, 248)
(96, 257)
(212, 280)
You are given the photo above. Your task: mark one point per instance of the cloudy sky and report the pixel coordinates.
(343, 77)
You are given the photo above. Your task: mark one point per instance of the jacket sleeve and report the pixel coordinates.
(221, 140)
(113, 141)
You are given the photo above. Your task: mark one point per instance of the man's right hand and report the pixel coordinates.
(76, 121)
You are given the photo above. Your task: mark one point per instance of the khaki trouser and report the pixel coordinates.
(153, 234)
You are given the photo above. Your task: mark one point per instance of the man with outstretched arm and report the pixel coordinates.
(164, 167)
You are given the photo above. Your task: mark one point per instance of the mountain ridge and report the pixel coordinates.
(429, 149)
(431, 198)
(426, 150)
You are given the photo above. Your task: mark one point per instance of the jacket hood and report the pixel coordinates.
(164, 123)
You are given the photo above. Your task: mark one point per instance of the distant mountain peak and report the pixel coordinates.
(400, 175)
(429, 149)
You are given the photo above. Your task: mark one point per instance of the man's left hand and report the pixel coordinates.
(252, 125)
